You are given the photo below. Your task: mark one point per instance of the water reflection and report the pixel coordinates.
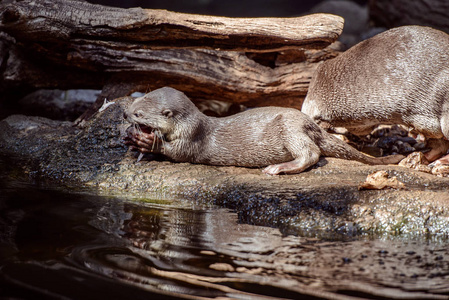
(55, 244)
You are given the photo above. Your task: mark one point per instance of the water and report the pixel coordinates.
(73, 245)
(60, 244)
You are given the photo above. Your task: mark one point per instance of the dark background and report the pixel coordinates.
(229, 8)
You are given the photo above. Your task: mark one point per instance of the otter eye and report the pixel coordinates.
(138, 114)
(167, 113)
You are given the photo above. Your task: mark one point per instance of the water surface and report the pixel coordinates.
(61, 244)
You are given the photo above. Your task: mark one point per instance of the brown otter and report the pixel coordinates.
(283, 138)
(400, 76)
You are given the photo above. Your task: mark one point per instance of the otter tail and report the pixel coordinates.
(334, 147)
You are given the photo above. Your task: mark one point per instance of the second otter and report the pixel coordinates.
(283, 139)
(400, 76)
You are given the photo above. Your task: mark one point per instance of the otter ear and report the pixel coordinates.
(167, 113)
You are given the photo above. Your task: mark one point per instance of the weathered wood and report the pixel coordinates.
(202, 74)
(208, 74)
(61, 21)
(69, 44)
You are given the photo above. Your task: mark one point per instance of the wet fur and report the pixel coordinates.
(400, 76)
(283, 138)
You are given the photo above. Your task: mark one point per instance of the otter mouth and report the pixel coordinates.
(144, 137)
(145, 129)
(149, 130)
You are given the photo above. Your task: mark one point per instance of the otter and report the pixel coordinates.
(283, 140)
(400, 76)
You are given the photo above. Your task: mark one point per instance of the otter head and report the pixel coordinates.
(161, 110)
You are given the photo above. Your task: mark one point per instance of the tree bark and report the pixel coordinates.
(64, 21)
(70, 44)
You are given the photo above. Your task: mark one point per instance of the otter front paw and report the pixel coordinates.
(440, 167)
(144, 142)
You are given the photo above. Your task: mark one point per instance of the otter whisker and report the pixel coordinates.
(154, 141)
(137, 128)
(160, 137)
(159, 140)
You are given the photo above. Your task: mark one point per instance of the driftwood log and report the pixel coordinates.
(69, 44)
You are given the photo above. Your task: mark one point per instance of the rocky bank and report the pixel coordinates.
(325, 200)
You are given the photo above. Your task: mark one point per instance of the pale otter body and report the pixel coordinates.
(400, 76)
(283, 139)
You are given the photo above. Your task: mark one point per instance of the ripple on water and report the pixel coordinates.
(77, 245)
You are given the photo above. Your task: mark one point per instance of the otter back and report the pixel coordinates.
(396, 77)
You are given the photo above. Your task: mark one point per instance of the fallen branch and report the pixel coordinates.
(70, 44)
(62, 21)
